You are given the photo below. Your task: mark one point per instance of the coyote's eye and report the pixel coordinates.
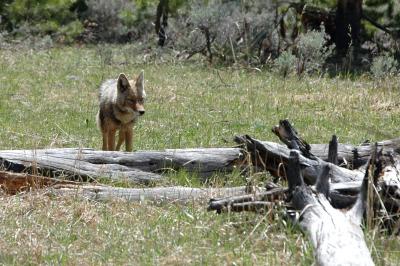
(131, 101)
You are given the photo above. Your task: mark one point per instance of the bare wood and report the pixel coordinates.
(140, 166)
(13, 183)
(178, 194)
(336, 235)
(343, 154)
(274, 158)
(356, 155)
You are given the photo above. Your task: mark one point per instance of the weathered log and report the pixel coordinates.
(13, 183)
(140, 166)
(274, 158)
(349, 155)
(178, 194)
(336, 235)
(341, 195)
(355, 156)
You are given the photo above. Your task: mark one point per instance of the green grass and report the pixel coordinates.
(49, 99)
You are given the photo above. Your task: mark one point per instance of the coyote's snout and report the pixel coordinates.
(121, 103)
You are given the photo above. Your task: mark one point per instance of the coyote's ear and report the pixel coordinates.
(122, 83)
(140, 83)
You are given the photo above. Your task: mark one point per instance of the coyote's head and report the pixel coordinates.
(131, 96)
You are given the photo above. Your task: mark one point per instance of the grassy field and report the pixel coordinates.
(49, 99)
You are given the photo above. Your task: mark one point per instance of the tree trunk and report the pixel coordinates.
(161, 22)
(348, 24)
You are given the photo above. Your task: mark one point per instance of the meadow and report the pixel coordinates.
(49, 98)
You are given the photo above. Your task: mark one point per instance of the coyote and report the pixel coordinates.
(121, 103)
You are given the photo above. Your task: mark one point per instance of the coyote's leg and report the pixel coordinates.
(121, 139)
(129, 138)
(104, 135)
(111, 139)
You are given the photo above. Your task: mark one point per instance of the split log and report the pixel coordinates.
(140, 166)
(389, 162)
(356, 156)
(274, 158)
(341, 195)
(336, 235)
(347, 155)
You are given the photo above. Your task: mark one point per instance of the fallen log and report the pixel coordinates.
(355, 156)
(341, 195)
(336, 235)
(177, 194)
(347, 155)
(274, 158)
(12, 183)
(388, 161)
(140, 166)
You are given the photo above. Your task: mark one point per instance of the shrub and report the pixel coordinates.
(285, 63)
(68, 33)
(312, 51)
(384, 65)
(234, 29)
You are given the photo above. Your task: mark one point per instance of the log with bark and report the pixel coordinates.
(140, 166)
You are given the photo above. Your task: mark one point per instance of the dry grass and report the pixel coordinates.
(39, 228)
